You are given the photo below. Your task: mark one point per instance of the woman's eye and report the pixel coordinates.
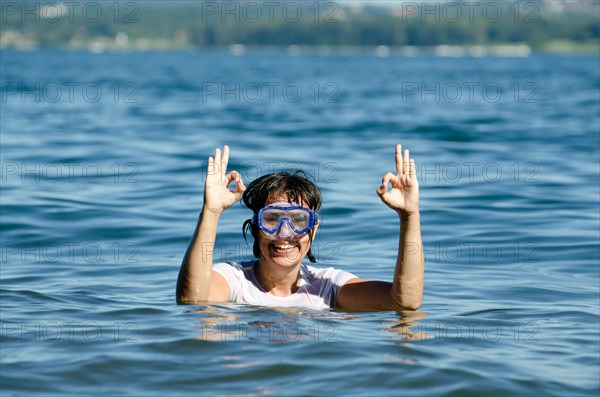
(271, 218)
(301, 218)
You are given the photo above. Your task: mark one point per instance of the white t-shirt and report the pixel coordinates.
(318, 288)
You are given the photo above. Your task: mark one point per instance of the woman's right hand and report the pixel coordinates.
(217, 196)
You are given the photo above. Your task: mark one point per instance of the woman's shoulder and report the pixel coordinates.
(322, 272)
(235, 264)
(324, 278)
(234, 267)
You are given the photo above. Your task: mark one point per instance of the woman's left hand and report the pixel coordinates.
(404, 195)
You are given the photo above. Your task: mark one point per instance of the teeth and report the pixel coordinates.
(284, 246)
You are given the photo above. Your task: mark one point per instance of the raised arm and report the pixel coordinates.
(406, 290)
(196, 281)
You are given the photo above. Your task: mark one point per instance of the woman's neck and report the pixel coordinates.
(277, 280)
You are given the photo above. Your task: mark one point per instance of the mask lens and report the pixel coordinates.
(271, 217)
(300, 218)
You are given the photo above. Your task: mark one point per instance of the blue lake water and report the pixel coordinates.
(103, 158)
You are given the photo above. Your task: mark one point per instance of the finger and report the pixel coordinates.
(406, 162)
(384, 182)
(386, 178)
(413, 171)
(232, 176)
(217, 160)
(229, 178)
(239, 184)
(210, 168)
(399, 159)
(225, 158)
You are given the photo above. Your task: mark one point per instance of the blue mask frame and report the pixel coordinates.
(313, 219)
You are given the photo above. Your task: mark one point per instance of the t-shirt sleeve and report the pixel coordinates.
(232, 273)
(339, 278)
(336, 278)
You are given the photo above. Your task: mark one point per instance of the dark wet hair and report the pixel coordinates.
(298, 189)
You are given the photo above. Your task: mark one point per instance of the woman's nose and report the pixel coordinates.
(285, 231)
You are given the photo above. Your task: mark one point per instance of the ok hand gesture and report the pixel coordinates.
(217, 196)
(404, 196)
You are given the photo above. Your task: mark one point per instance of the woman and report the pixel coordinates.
(283, 226)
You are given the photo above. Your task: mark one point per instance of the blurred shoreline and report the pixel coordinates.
(475, 51)
(496, 28)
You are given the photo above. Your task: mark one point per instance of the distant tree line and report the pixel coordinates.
(207, 24)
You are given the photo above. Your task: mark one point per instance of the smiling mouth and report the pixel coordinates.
(283, 248)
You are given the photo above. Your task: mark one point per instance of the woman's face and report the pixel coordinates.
(284, 248)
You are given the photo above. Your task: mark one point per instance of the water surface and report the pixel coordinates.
(102, 176)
